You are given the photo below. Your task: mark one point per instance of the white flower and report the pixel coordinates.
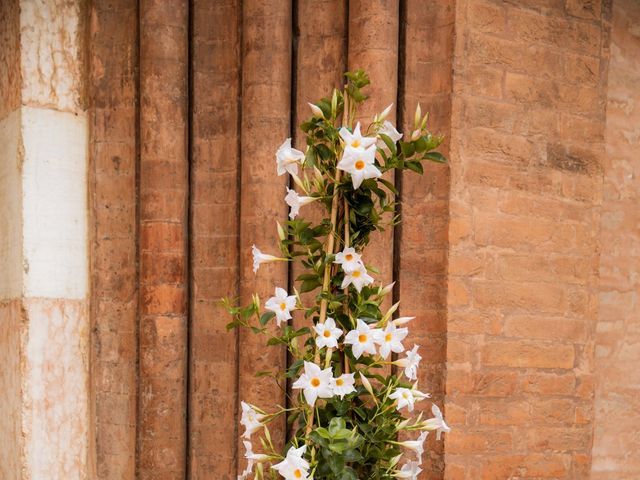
(250, 419)
(281, 305)
(349, 259)
(358, 278)
(362, 339)
(343, 385)
(355, 139)
(252, 458)
(416, 445)
(390, 339)
(259, 258)
(296, 201)
(360, 163)
(287, 158)
(294, 466)
(437, 423)
(390, 131)
(409, 471)
(327, 334)
(314, 382)
(410, 363)
(407, 397)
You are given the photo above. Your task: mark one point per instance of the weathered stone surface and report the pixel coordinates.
(52, 34)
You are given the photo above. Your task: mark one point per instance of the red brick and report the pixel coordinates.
(549, 383)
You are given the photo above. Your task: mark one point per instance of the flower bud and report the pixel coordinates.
(317, 111)
(417, 117)
(402, 320)
(387, 290)
(367, 385)
(385, 113)
(281, 234)
(416, 134)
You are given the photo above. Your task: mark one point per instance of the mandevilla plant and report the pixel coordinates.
(349, 391)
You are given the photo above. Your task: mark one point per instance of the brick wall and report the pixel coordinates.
(498, 256)
(617, 351)
(526, 186)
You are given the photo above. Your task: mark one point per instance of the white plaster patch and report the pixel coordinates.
(55, 389)
(54, 181)
(10, 208)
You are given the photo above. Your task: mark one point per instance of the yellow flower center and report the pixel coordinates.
(315, 382)
(362, 338)
(355, 274)
(359, 165)
(405, 395)
(388, 337)
(326, 334)
(339, 382)
(348, 257)
(355, 143)
(297, 473)
(283, 306)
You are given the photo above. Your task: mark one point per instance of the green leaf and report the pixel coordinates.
(265, 317)
(407, 148)
(415, 166)
(389, 143)
(309, 285)
(435, 157)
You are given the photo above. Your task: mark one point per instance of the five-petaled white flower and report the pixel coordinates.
(437, 423)
(327, 334)
(296, 201)
(409, 471)
(410, 363)
(287, 158)
(252, 458)
(259, 258)
(360, 163)
(251, 420)
(390, 339)
(294, 466)
(281, 304)
(314, 382)
(362, 339)
(416, 445)
(358, 278)
(356, 139)
(407, 397)
(343, 385)
(349, 259)
(390, 131)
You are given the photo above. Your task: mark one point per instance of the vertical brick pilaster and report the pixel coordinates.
(266, 99)
(320, 63)
(617, 393)
(422, 252)
(214, 238)
(113, 201)
(163, 244)
(373, 46)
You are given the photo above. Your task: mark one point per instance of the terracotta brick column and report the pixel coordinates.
(526, 189)
(163, 239)
(113, 64)
(266, 105)
(213, 395)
